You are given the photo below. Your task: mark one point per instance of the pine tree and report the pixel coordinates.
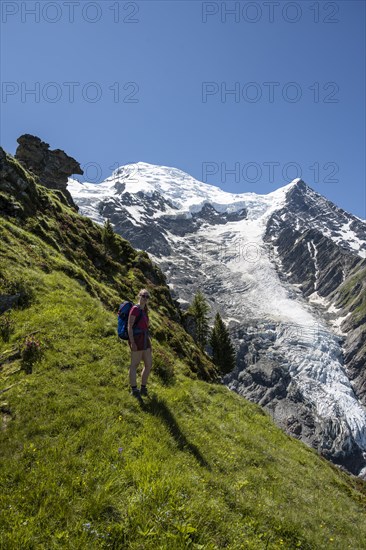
(223, 352)
(108, 237)
(199, 309)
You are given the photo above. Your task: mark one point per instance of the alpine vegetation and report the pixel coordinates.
(223, 352)
(199, 310)
(83, 464)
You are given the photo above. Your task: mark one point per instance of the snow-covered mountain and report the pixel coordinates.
(278, 268)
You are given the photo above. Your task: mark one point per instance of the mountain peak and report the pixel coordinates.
(182, 194)
(187, 194)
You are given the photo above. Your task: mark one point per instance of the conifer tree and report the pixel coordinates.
(223, 352)
(199, 309)
(108, 236)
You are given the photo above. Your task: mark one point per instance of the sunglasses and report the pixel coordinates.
(145, 296)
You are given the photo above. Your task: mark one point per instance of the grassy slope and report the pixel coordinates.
(84, 465)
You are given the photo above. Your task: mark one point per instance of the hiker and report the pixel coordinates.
(139, 342)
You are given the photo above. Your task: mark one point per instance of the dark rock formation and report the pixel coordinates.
(149, 233)
(309, 258)
(310, 209)
(262, 375)
(53, 168)
(208, 215)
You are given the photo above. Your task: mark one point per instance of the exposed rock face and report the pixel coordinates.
(305, 234)
(265, 375)
(305, 209)
(150, 235)
(53, 168)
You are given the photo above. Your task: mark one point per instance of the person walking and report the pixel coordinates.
(139, 342)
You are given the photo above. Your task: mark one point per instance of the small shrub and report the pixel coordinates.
(160, 334)
(163, 366)
(25, 291)
(176, 343)
(31, 353)
(6, 326)
(45, 267)
(27, 295)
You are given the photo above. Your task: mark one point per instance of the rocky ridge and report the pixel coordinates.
(52, 167)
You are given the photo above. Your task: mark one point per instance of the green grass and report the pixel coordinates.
(351, 295)
(84, 465)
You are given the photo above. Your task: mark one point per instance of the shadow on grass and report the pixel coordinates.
(161, 410)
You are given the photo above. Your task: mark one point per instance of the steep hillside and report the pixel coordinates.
(82, 463)
(44, 232)
(350, 298)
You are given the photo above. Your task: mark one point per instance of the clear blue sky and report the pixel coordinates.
(116, 82)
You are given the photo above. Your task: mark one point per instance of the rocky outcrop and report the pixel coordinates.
(144, 236)
(310, 259)
(53, 167)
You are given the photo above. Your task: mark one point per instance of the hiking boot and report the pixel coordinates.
(135, 392)
(144, 391)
